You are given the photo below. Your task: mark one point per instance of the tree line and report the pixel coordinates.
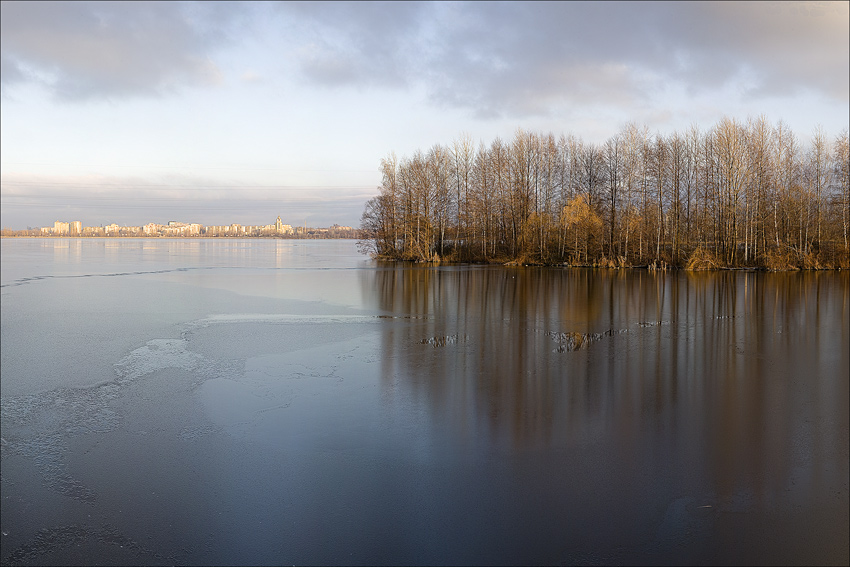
(740, 194)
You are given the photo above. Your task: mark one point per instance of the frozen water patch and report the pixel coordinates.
(68, 410)
(163, 354)
(571, 342)
(290, 319)
(51, 540)
(278, 318)
(193, 433)
(444, 340)
(31, 279)
(39, 426)
(653, 324)
(157, 354)
(46, 452)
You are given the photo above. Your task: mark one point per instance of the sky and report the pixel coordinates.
(222, 113)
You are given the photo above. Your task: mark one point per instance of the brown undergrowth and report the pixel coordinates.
(702, 259)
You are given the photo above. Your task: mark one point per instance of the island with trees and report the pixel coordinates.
(742, 194)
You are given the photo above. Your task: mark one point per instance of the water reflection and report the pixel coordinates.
(732, 385)
(193, 252)
(320, 408)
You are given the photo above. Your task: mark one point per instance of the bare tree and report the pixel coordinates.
(613, 174)
(818, 171)
(463, 152)
(841, 175)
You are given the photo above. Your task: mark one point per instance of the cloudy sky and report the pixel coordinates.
(219, 113)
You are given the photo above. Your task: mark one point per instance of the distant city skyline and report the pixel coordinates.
(175, 228)
(120, 113)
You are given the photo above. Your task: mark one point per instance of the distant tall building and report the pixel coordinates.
(75, 228)
(278, 225)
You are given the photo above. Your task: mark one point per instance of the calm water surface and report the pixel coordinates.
(293, 402)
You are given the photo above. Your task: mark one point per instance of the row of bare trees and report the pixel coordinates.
(740, 194)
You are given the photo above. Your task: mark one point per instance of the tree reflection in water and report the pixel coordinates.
(732, 386)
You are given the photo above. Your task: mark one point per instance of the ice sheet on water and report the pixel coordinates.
(653, 323)
(572, 341)
(157, 354)
(31, 279)
(444, 340)
(55, 539)
(162, 354)
(39, 426)
(278, 318)
(245, 336)
(193, 433)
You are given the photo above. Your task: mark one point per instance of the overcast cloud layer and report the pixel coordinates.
(312, 95)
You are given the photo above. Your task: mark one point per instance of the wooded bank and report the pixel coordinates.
(739, 195)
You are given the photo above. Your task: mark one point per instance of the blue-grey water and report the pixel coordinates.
(294, 402)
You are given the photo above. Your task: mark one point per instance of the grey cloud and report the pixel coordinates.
(327, 66)
(522, 58)
(83, 50)
(569, 52)
(788, 46)
(490, 58)
(10, 71)
(357, 43)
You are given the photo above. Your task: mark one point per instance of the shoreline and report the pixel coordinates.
(599, 266)
(602, 263)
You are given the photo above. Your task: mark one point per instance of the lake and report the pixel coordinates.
(227, 401)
